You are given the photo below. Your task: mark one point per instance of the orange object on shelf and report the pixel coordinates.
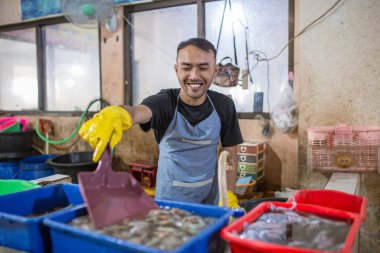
(145, 172)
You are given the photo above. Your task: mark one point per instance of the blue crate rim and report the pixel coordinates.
(42, 187)
(219, 223)
(19, 218)
(37, 159)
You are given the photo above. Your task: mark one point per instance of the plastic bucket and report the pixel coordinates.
(8, 170)
(34, 167)
(73, 163)
(16, 142)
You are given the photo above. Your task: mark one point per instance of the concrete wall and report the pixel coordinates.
(9, 12)
(337, 72)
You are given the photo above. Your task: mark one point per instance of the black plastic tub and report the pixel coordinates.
(251, 204)
(16, 142)
(73, 163)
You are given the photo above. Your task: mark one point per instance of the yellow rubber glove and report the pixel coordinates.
(106, 126)
(232, 200)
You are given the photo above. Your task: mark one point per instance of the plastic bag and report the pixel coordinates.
(285, 112)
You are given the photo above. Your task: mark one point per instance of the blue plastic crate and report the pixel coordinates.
(34, 167)
(8, 170)
(18, 231)
(66, 238)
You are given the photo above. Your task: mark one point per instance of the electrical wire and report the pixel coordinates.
(292, 39)
(221, 24)
(305, 29)
(147, 38)
(258, 58)
(76, 130)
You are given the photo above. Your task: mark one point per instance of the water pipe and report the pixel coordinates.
(76, 130)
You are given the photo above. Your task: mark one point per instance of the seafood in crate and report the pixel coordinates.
(298, 229)
(67, 238)
(165, 229)
(293, 228)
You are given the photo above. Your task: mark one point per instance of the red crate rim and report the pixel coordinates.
(303, 195)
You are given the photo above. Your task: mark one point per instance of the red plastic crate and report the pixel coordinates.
(332, 199)
(239, 245)
(143, 169)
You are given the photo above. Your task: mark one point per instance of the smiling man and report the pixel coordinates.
(188, 123)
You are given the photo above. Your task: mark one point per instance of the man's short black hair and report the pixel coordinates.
(200, 43)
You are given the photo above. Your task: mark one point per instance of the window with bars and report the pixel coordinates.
(48, 67)
(261, 29)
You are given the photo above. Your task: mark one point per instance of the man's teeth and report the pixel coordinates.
(194, 85)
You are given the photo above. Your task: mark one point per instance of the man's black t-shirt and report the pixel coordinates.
(163, 106)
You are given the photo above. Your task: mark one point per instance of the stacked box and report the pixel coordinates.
(251, 160)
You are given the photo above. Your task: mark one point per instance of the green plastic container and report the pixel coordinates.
(15, 185)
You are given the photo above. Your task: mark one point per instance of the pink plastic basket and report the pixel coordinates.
(344, 148)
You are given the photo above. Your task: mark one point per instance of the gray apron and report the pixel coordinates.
(187, 165)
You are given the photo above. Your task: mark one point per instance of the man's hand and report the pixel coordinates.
(106, 126)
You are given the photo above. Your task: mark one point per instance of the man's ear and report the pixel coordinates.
(216, 68)
(176, 68)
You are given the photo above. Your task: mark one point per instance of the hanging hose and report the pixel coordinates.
(76, 128)
(222, 177)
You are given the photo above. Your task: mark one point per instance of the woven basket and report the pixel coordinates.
(344, 148)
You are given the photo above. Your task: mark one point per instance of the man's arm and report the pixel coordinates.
(232, 172)
(139, 113)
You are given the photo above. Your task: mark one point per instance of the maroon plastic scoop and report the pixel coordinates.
(113, 196)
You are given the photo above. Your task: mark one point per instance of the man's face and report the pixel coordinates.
(195, 70)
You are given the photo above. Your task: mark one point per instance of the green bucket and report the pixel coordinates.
(15, 185)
